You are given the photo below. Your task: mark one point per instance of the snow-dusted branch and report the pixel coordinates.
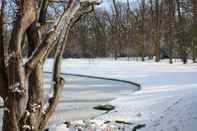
(85, 9)
(91, 1)
(41, 51)
(53, 101)
(58, 82)
(51, 39)
(15, 89)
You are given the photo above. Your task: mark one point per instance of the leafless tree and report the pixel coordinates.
(22, 81)
(170, 25)
(194, 44)
(160, 28)
(142, 12)
(181, 33)
(156, 20)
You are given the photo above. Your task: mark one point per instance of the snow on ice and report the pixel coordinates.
(167, 101)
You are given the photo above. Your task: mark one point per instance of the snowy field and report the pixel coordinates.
(167, 101)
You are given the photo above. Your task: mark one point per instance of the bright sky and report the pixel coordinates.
(107, 3)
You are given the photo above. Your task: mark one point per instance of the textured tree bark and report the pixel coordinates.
(22, 83)
(17, 82)
(194, 45)
(36, 93)
(114, 29)
(194, 52)
(3, 78)
(181, 34)
(57, 80)
(157, 33)
(157, 48)
(156, 12)
(142, 50)
(36, 84)
(37, 119)
(43, 12)
(41, 51)
(171, 22)
(2, 65)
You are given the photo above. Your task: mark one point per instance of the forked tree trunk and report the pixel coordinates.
(22, 83)
(17, 97)
(36, 85)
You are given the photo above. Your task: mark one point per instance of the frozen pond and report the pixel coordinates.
(81, 94)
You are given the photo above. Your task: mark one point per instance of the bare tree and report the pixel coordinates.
(114, 29)
(22, 82)
(156, 20)
(170, 23)
(194, 44)
(181, 33)
(142, 47)
(125, 31)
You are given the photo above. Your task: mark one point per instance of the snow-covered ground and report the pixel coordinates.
(81, 94)
(167, 101)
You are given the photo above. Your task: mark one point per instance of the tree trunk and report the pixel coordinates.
(157, 28)
(194, 52)
(181, 35)
(171, 18)
(157, 48)
(23, 82)
(194, 43)
(142, 50)
(36, 85)
(3, 77)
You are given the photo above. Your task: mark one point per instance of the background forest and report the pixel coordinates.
(143, 28)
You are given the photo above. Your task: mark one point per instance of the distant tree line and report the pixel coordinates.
(146, 28)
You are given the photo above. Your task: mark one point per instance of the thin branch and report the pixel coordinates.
(57, 1)
(57, 80)
(43, 11)
(58, 87)
(83, 11)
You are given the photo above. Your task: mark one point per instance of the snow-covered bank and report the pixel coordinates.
(166, 102)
